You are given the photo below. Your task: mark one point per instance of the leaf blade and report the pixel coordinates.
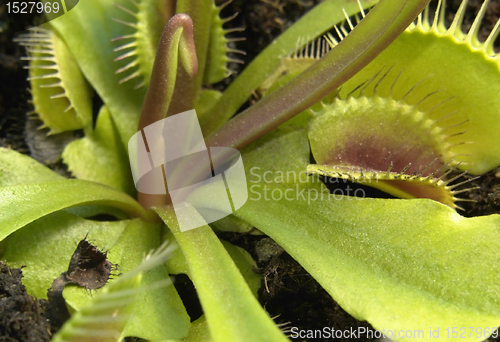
(232, 312)
(22, 204)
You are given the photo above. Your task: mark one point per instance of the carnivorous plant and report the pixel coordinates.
(390, 102)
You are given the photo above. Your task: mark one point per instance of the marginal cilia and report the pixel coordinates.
(420, 109)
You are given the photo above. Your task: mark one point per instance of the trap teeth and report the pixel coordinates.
(89, 267)
(399, 184)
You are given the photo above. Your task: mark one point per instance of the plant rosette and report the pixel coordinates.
(367, 106)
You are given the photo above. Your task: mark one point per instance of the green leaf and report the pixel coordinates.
(90, 211)
(458, 76)
(106, 315)
(232, 312)
(207, 99)
(177, 263)
(137, 48)
(87, 31)
(100, 157)
(45, 246)
(188, 87)
(399, 264)
(262, 165)
(176, 45)
(369, 38)
(60, 94)
(17, 168)
(233, 224)
(217, 58)
(25, 203)
(159, 312)
(199, 331)
(243, 260)
(265, 170)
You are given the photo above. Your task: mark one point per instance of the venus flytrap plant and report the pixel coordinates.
(447, 109)
(176, 44)
(57, 83)
(411, 271)
(407, 160)
(150, 18)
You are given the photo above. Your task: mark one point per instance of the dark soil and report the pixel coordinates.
(13, 88)
(21, 317)
(288, 292)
